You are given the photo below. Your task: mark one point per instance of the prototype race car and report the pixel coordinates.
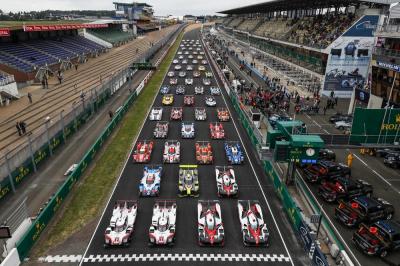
(215, 91)
(200, 114)
(182, 74)
(188, 100)
(234, 152)
(180, 90)
(209, 74)
(217, 130)
(161, 130)
(189, 67)
(168, 99)
(164, 90)
(226, 181)
(196, 74)
(162, 228)
(200, 57)
(195, 61)
(149, 185)
(204, 62)
(156, 114)
(176, 113)
(198, 90)
(188, 81)
(142, 153)
(206, 82)
(171, 74)
(119, 231)
(188, 183)
(223, 114)
(343, 188)
(209, 221)
(201, 68)
(204, 154)
(175, 61)
(185, 61)
(172, 152)
(210, 101)
(190, 56)
(178, 67)
(187, 131)
(173, 81)
(253, 227)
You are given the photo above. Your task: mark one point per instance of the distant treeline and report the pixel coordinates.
(55, 14)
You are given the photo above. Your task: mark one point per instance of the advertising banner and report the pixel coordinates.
(349, 58)
(4, 32)
(62, 27)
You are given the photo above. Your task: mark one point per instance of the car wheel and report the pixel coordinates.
(383, 254)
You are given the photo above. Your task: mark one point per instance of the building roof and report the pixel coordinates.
(282, 5)
(132, 4)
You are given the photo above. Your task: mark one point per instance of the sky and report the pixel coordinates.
(161, 7)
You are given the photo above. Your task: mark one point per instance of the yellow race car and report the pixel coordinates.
(168, 99)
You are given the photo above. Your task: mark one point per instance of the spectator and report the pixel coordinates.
(110, 114)
(30, 97)
(18, 126)
(23, 127)
(76, 66)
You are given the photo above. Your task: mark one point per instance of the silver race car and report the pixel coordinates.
(187, 131)
(188, 81)
(182, 74)
(162, 228)
(189, 68)
(150, 183)
(161, 130)
(171, 74)
(253, 227)
(172, 151)
(206, 82)
(188, 183)
(209, 222)
(178, 67)
(226, 181)
(119, 231)
(215, 91)
(200, 114)
(196, 74)
(198, 90)
(210, 101)
(180, 90)
(156, 114)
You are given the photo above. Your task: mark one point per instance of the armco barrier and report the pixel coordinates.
(33, 233)
(314, 252)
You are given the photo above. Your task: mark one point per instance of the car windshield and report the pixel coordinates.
(119, 229)
(150, 179)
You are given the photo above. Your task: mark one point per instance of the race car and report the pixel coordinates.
(188, 81)
(201, 68)
(217, 130)
(156, 114)
(162, 228)
(209, 74)
(187, 130)
(343, 188)
(223, 114)
(168, 99)
(149, 185)
(173, 81)
(178, 67)
(226, 181)
(182, 74)
(209, 221)
(206, 82)
(181, 57)
(180, 90)
(195, 61)
(161, 130)
(204, 154)
(119, 231)
(198, 90)
(164, 90)
(188, 183)
(189, 67)
(215, 91)
(204, 62)
(142, 153)
(176, 113)
(234, 152)
(190, 56)
(188, 100)
(185, 61)
(200, 57)
(175, 61)
(172, 152)
(210, 101)
(171, 74)
(200, 114)
(253, 227)
(196, 74)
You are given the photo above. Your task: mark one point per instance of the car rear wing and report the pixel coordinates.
(157, 108)
(166, 203)
(177, 108)
(223, 167)
(188, 166)
(171, 141)
(163, 122)
(202, 142)
(126, 203)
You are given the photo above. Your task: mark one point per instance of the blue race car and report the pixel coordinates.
(234, 152)
(150, 183)
(164, 90)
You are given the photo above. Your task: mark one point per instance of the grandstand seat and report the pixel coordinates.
(112, 36)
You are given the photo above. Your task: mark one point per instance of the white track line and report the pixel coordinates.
(126, 163)
(248, 159)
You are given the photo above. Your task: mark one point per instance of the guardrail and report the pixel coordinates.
(32, 235)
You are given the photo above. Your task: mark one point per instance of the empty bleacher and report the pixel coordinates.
(249, 24)
(113, 36)
(235, 22)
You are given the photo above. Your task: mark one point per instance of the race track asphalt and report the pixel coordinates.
(253, 184)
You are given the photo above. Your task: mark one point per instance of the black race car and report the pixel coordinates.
(363, 210)
(325, 170)
(343, 188)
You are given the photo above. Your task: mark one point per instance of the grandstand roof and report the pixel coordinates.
(132, 4)
(282, 5)
(16, 25)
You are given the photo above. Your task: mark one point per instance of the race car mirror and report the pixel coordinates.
(5, 232)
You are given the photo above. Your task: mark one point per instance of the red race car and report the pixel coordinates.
(223, 114)
(204, 154)
(188, 100)
(217, 131)
(176, 113)
(143, 151)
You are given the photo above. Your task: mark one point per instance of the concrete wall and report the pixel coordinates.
(96, 39)
(12, 259)
(10, 89)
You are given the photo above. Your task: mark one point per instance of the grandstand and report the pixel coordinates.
(112, 35)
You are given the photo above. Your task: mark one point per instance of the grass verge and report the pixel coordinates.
(89, 198)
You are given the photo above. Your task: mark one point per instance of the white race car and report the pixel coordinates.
(119, 231)
(184, 62)
(188, 81)
(195, 61)
(210, 101)
(187, 130)
(189, 68)
(226, 181)
(171, 74)
(210, 226)
(198, 90)
(206, 82)
(254, 230)
(178, 67)
(176, 61)
(215, 91)
(172, 152)
(182, 74)
(156, 114)
(162, 228)
(200, 114)
(196, 74)
(150, 183)
(161, 130)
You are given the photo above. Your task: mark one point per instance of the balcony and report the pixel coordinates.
(389, 30)
(386, 55)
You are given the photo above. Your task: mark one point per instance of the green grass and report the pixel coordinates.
(89, 198)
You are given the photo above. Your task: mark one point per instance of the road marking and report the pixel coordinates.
(377, 174)
(318, 125)
(247, 154)
(218, 257)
